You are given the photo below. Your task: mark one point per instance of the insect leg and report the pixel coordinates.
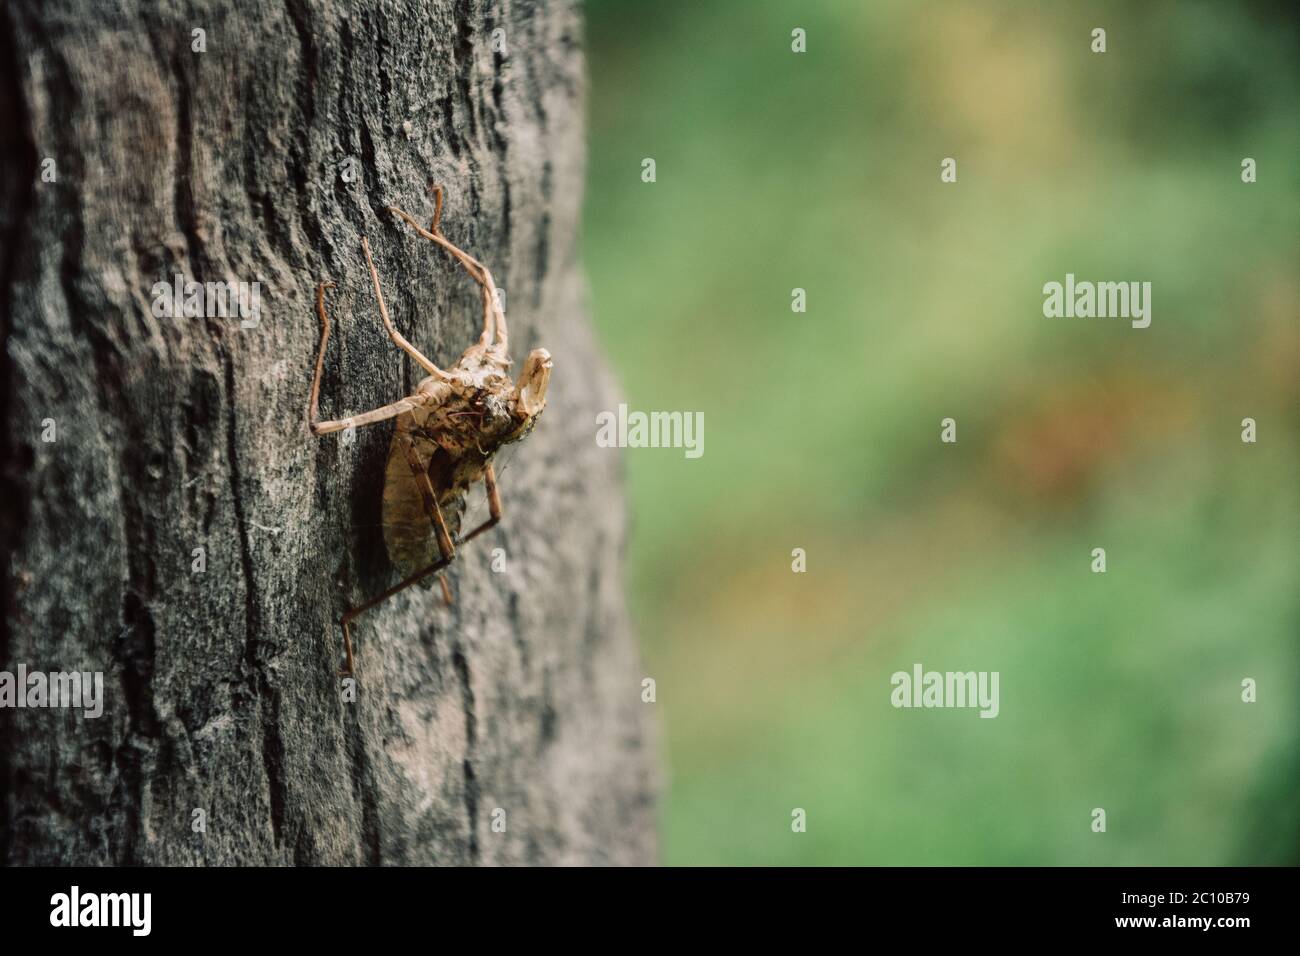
(395, 335)
(494, 504)
(419, 471)
(494, 509)
(493, 316)
(381, 414)
(437, 207)
(446, 548)
(313, 408)
(318, 427)
(351, 615)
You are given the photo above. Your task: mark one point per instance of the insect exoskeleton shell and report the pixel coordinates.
(408, 530)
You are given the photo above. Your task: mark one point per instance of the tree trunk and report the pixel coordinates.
(508, 728)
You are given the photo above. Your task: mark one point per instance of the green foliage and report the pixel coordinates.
(778, 170)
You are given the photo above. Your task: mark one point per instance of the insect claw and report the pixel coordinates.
(436, 190)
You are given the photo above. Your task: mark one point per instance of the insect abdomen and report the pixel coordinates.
(408, 529)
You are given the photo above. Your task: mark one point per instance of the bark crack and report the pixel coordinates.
(19, 164)
(268, 697)
(471, 747)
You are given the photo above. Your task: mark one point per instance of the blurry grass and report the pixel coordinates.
(820, 171)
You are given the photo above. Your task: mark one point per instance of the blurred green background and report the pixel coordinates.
(820, 171)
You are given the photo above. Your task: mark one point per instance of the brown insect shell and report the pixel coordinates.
(453, 431)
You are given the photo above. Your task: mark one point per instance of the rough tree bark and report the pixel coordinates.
(221, 686)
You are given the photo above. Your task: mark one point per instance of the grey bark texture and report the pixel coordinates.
(221, 686)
